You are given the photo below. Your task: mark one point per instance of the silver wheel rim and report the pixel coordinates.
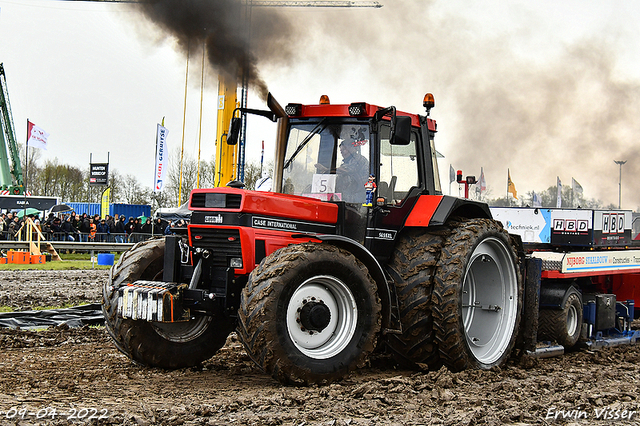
(335, 337)
(181, 332)
(490, 300)
(572, 320)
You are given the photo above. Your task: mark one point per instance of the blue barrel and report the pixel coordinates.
(106, 258)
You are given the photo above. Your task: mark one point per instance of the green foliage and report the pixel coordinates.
(71, 184)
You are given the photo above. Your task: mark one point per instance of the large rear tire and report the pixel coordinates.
(309, 314)
(477, 295)
(562, 325)
(164, 345)
(412, 267)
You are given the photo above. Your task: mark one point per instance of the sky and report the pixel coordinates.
(543, 89)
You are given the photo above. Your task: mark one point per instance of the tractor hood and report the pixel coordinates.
(263, 203)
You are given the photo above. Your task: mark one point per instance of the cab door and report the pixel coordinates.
(399, 183)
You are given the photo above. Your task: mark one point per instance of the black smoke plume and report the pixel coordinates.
(235, 36)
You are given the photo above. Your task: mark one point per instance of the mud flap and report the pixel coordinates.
(152, 301)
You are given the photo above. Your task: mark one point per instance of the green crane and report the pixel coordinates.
(10, 172)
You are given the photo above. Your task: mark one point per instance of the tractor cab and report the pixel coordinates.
(372, 162)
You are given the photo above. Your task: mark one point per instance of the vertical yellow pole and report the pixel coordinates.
(201, 101)
(225, 154)
(184, 121)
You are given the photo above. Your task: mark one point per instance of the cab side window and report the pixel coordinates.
(398, 168)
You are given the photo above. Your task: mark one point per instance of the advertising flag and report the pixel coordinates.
(104, 205)
(481, 182)
(559, 197)
(577, 188)
(37, 138)
(161, 158)
(511, 188)
(536, 200)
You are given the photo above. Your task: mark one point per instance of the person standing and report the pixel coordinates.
(112, 226)
(119, 230)
(14, 228)
(102, 230)
(130, 228)
(84, 227)
(68, 229)
(92, 230)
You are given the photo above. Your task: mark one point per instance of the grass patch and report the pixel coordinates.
(43, 308)
(63, 306)
(83, 256)
(54, 266)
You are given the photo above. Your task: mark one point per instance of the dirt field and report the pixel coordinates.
(76, 376)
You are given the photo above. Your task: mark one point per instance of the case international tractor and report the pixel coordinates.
(314, 275)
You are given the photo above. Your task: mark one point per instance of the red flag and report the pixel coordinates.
(482, 183)
(37, 138)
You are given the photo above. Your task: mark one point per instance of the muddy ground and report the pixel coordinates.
(76, 376)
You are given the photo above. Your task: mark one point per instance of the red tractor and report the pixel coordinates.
(355, 246)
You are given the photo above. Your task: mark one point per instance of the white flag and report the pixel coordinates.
(577, 188)
(559, 198)
(37, 137)
(161, 158)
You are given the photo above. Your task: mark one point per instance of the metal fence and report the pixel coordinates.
(81, 237)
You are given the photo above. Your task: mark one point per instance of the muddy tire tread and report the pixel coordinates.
(257, 325)
(449, 332)
(552, 324)
(412, 269)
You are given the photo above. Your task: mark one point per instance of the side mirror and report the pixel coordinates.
(401, 134)
(234, 131)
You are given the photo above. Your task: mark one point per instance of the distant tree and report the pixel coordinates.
(133, 192)
(177, 191)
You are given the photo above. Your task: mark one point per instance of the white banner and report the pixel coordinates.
(161, 158)
(37, 136)
(559, 197)
(592, 261)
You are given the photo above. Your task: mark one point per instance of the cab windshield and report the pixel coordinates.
(328, 161)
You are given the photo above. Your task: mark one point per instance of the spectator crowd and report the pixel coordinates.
(86, 228)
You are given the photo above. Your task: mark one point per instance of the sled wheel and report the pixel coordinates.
(477, 296)
(165, 345)
(562, 325)
(309, 314)
(411, 268)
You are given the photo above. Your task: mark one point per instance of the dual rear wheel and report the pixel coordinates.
(461, 303)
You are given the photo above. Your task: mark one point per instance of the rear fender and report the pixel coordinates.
(435, 210)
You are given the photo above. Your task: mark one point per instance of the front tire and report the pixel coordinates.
(477, 295)
(164, 345)
(309, 314)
